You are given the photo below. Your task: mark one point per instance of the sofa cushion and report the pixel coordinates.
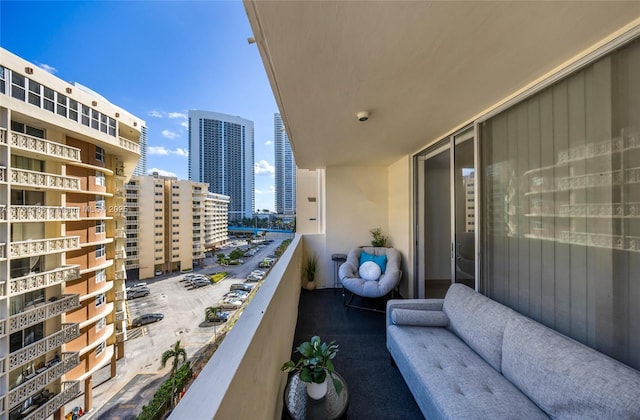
(419, 318)
(450, 381)
(565, 378)
(478, 321)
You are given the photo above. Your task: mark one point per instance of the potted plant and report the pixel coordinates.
(378, 238)
(309, 270)
(315, 366)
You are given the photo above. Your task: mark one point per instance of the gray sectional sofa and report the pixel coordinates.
(469, 357)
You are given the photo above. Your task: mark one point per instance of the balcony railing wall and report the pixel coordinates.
(248, 361)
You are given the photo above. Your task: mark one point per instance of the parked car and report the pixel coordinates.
(158, 272)
(241, 286)
(199, 282)
(237, 294)
(230, 303)
(138, 292)
(137, 286)
(146, 319)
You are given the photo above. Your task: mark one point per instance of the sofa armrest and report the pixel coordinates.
(418, 304)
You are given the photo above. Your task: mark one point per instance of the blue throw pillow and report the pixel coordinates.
(381, 260)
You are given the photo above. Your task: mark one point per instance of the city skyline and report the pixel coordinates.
(187, 55)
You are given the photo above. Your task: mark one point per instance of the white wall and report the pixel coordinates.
(309, 213)
(357, 200)
(400, 218)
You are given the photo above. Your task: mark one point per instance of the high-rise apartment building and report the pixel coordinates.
(141, 167)
(221, 153)
(170, 224)
(285, 163)
(65, 155)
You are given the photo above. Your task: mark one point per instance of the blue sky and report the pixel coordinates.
(157, 60)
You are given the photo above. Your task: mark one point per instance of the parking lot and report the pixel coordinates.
(184, 319)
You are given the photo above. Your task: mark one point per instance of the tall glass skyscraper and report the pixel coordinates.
(285, 182)
(141, 167)
(221, 153)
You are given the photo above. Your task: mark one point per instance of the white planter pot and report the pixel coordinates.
(317, 391)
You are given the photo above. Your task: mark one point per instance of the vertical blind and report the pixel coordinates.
(560, 175)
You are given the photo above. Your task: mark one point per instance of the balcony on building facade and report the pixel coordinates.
(3, 327)
(27, 178)
(41, 347)
(44, 147)
(120, 233)
(120, 275)
(33, 281)
(121, 254)
(33, 385)
(40, 312)
(33, 247)
(121, 315)
(121, 336)
(131, 195)
(3, 212)
(120, 295)
(44, 213)
(45, 411)
(3, 174)
(129, 145)
(132, 264)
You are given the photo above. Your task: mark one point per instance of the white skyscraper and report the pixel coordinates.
(221, 153)
(285, 179)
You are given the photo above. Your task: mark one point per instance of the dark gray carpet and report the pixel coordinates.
(377, 389)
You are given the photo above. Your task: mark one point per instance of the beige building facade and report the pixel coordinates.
(187, 221)
(65, 155)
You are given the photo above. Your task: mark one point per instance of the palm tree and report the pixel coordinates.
(177, 353)
(211, 311)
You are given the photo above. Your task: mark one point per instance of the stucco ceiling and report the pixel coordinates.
(421, 68)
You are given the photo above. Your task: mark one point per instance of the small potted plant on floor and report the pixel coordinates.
(309, 270)
(315, 366)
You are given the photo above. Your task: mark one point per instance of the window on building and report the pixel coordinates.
(102, 322)
(99, 154)
(101, 275)
(73, 110)
(3, 80)
(100, 178)
(17, 86)
(61, 108)
(100, 251)
(100, 348)
(100, 226)
(101, 299)
(86, 116)
(101, 205)
(48, 98)
(35, 96)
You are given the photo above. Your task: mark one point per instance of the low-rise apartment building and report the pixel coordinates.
(187, 220)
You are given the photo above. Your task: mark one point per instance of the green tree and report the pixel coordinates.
(236, 254)
(179, 356)
(211, 311)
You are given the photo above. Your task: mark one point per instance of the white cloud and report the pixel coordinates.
(163, 151)
(268, 143)
(181, 152)
(184, 124)
(263, 167)
(170, 134)
(177, 115)
(154, 113)
(161, 172)
(48, 68)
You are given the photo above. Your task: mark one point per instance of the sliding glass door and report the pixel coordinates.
(445, 215)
